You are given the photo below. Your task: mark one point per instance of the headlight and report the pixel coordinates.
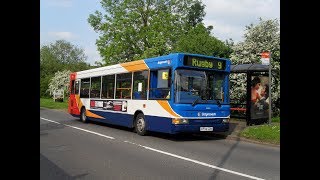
(180, 121)
(225, 120)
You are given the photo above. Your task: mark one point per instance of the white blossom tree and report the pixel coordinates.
(264, 36)
(60, 81)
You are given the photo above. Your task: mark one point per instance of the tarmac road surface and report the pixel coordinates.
(70, 149)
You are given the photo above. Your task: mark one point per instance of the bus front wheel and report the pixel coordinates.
(83, 116)
(140, 125)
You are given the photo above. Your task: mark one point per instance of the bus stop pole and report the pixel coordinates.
(270, 99)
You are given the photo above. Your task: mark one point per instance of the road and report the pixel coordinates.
(70, 149)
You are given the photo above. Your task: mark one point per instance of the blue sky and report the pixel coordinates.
(67, 19)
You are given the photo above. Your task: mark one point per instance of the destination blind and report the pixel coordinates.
(202, 62)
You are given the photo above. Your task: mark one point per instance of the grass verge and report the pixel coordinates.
(263, 133)
(49, 103)
(276, 119)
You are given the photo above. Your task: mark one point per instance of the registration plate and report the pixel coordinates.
(206, 128)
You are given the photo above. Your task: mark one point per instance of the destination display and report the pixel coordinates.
(202, 62)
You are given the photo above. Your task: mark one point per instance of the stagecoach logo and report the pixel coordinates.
(164, 62)
(202, 114)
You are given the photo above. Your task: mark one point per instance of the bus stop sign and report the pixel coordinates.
(265, 58)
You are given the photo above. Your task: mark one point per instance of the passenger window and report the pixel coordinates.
(140, 83)
(108, 86)
(85, 85)
(95, 87)
(123, 90)
(76, 87)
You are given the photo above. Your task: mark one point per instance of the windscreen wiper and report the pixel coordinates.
(218, 102)
(203, 95)
(195, 101)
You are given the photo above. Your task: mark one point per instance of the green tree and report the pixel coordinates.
(62, 55)
(264, 36)
(133, 29)
(198, 40)
(196, 14)
(58, 56)
(60, 80)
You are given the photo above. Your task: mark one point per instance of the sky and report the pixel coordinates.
(67, 19)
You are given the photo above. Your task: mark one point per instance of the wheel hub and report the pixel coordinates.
(140, 124)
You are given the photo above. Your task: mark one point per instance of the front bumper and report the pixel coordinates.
(195, 128)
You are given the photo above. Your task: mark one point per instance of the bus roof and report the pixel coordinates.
(137, 65)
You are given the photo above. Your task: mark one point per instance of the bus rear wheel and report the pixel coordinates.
(140, 124)
(83, 116)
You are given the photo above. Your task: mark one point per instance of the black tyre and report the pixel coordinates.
(140, 124)
(83, 116)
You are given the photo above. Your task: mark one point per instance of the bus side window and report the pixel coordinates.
(140, 83)
(160, 84)
(85, 85)
(76, 87)
(108, 86)
(95, 87)
(123, 89)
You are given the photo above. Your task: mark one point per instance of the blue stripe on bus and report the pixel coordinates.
(113, 118)
(186, 110)
(158, 124)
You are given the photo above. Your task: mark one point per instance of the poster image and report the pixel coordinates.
(112, 105)
(260, 97)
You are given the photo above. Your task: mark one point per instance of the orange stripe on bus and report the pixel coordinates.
(165, 105)
(90, 114)
(135, 65)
